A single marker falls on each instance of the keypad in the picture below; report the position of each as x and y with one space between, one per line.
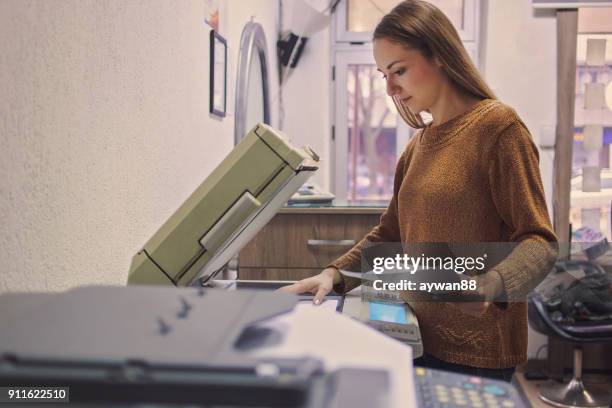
438 388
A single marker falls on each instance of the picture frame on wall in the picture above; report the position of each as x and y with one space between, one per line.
218 74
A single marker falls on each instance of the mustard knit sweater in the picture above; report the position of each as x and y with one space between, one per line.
474 178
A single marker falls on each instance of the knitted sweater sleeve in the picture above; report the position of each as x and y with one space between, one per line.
518 195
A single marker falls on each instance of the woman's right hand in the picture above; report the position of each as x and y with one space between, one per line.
319 285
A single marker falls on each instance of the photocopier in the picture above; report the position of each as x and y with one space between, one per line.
170 339
165 339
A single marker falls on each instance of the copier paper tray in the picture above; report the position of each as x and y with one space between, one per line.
163 345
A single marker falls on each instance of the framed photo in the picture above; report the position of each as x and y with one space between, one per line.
218 74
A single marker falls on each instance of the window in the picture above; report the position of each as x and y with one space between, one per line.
591 182
368 134
356 19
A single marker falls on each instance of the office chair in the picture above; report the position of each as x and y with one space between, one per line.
577 307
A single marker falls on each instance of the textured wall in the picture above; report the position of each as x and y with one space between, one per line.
521 67
104 129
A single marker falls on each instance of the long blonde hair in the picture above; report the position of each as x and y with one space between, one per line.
417 24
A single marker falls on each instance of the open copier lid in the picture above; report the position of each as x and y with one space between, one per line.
224 213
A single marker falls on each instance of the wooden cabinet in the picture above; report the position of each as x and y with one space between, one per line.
298 243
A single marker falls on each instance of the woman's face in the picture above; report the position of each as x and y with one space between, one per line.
411 77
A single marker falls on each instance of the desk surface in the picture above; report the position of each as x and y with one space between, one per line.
336 207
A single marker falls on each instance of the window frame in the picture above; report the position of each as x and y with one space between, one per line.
468 33
344 56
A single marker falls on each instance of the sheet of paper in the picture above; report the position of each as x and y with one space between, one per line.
328 304
593 137
596 51
369 276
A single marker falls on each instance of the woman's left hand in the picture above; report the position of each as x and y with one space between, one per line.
489 286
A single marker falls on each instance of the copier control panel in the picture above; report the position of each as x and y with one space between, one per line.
436 388
395 320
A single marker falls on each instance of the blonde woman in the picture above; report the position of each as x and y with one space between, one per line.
471 175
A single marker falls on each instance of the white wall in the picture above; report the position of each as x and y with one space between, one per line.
306 96
520 65
105 129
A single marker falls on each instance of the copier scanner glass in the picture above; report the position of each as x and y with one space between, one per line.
222 215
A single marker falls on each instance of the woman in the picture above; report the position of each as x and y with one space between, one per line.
470 176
